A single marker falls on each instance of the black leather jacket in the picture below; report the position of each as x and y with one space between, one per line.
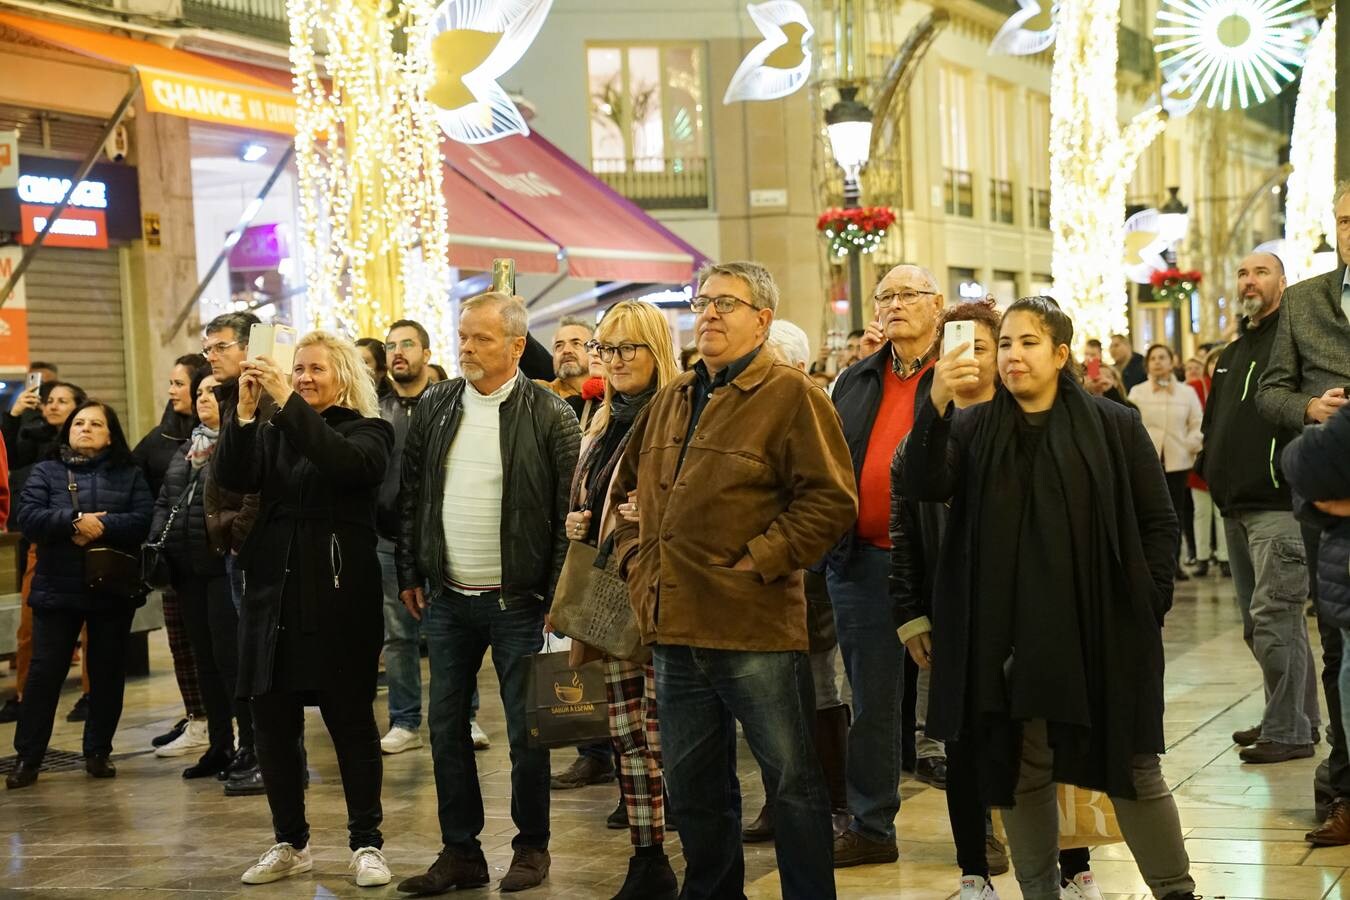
540 441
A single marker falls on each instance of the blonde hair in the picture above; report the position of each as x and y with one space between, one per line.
515 317
641 323
355 388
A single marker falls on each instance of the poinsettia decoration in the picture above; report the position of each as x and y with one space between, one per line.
1174 285
861 229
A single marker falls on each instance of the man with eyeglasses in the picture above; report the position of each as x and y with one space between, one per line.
876 398
742 479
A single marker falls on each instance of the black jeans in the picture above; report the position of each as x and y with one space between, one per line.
1332 647
213 630
56 632
1180 493
279 723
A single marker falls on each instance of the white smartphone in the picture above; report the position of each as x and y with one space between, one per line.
954 334
33 382
276 342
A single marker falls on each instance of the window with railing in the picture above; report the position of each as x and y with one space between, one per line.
958 193
260 18
647 117
1038 209
1000 201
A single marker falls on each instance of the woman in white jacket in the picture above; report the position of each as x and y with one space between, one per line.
1172 417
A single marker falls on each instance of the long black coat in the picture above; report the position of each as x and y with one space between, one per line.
940 462
156 451
312 611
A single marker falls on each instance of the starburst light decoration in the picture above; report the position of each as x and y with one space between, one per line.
1218 48
1091 162
780 64
473 43
367 149
1312 153
1016 39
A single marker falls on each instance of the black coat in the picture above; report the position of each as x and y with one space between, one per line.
312 612
161 444
28 441
940 462
1316 465
187 544
46 517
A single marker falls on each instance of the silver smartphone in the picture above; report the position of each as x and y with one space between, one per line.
33 382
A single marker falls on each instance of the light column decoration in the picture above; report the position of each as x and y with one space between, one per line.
1312 153
367 147
1091 162
849 125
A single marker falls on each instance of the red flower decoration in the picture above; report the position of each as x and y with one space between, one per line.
592 388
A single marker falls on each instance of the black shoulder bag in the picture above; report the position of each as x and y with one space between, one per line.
107 570
155 571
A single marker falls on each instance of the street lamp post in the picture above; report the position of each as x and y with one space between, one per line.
1174 217
849 126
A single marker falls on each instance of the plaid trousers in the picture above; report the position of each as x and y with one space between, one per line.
184 663
636 733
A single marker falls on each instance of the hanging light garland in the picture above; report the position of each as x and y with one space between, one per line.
1091 162
372 212
1312 152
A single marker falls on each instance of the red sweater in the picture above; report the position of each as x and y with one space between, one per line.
895 418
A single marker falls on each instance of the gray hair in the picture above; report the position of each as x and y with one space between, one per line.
925 273
515 318
763 290
789 343
576 322
238 322
1342 188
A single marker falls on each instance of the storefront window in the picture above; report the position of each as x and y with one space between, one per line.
646 107
262 272
1004 288
962 286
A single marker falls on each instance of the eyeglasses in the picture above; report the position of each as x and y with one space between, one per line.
219 347
625 350
724 304
405 344
900 298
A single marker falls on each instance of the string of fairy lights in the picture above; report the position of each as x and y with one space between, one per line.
367 145
1312 153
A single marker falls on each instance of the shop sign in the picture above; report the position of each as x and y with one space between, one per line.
9 159
87 228
13 315
971 290
105 207
260 248
207 100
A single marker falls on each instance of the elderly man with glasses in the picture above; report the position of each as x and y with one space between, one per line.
876 399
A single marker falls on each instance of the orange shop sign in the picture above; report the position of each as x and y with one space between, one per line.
77 227
226 103
13 315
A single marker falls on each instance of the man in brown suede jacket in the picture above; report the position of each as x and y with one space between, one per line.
743 478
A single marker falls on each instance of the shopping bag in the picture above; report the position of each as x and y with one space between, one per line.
1086 818
565 705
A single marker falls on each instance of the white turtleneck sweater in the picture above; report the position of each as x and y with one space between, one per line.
471 510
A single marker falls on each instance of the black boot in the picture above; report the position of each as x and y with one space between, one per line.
100 767
649 878
762 828
24 774
214 761
244 761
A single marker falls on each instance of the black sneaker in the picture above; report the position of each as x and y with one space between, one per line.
244 761
169 736
80 711
10 711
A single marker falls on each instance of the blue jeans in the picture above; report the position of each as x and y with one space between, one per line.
402 650
459 630
703 693
864 619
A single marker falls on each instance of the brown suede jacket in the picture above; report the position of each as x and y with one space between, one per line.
767 474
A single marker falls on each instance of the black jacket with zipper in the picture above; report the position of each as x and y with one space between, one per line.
540 441
1241 456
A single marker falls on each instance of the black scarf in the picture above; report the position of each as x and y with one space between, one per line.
605 452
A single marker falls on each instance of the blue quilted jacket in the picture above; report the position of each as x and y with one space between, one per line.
1317 465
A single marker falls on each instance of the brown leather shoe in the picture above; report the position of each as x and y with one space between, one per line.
852 849
452 869
529 868
1335 831
761 829
995 855
583 771
1274 752
1247 736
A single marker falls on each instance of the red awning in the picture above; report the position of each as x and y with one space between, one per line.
481 230
603 236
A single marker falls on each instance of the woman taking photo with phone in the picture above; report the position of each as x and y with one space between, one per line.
1059 514
311 620
91 496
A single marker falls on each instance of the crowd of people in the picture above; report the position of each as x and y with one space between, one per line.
923 515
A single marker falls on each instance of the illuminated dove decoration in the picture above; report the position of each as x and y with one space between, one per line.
473 43
1027 31
779 64
1144 246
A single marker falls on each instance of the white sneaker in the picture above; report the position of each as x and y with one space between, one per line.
193 739
973 887
280 861
478 735
1083 887
371 868
399 739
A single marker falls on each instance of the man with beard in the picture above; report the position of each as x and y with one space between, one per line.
1240 459
571 362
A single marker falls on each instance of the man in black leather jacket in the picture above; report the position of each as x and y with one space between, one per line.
487 471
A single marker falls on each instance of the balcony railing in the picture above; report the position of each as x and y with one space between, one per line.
958 193
260 18
1000 201
1039 208
653 182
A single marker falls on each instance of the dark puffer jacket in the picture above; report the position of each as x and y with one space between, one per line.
1315 464
46 517
158 448
188 543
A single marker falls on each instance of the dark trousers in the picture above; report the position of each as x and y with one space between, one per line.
56 633
1180 494
279 725
213 628
1332 647
459 629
